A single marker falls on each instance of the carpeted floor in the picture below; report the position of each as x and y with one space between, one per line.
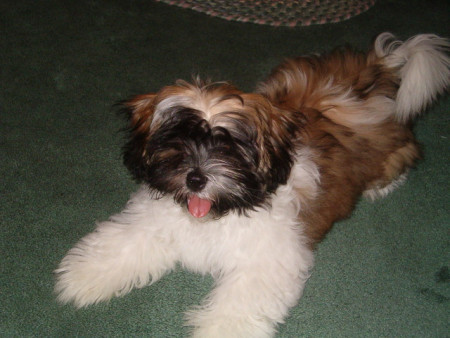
384 272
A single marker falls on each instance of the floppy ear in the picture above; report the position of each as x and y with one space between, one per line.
277 132
280 150
139 111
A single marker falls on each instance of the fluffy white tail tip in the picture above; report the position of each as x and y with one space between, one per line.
423 67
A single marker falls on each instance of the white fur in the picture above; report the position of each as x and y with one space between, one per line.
344 108
383 191
198 99
260 263
423 67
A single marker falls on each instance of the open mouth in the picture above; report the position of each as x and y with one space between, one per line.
198 207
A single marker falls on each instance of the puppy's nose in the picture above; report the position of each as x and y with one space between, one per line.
196 181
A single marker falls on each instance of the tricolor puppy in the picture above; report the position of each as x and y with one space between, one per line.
243 185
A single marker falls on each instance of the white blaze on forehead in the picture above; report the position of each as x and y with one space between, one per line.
209 104
169 103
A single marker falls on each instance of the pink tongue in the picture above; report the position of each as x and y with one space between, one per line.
198 207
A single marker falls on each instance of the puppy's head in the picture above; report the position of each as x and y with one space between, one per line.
212 147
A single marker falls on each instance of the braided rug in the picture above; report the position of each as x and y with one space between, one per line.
278 12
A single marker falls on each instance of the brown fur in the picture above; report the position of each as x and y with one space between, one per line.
352 156
339 105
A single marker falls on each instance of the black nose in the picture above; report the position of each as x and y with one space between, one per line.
196 181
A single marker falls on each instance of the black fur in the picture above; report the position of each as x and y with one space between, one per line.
236 167
184 143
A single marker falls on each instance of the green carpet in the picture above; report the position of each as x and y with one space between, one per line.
63 64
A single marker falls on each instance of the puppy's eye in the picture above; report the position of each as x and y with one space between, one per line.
223 150
221 135
167 155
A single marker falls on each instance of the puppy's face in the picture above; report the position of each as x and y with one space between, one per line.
212 147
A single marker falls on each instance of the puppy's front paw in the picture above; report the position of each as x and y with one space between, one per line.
206 326
111 261
97 269
82 281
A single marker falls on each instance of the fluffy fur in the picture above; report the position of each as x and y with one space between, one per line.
243 185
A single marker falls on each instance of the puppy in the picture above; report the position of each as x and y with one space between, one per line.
243 185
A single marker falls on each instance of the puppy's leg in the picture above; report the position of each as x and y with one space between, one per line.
130 250
256 294
396 169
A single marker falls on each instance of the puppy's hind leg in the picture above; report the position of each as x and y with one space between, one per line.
396 168
130 250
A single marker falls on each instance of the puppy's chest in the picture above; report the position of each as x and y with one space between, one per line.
221 245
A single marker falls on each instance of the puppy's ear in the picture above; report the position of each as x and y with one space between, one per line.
139 112
276 135
279 150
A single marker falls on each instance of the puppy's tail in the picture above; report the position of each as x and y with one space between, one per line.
423 67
